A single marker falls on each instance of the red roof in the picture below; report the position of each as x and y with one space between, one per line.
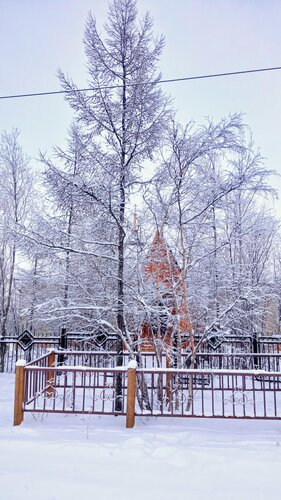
161 264
162 268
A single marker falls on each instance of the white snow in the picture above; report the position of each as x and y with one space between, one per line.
132 365
21 362
58 457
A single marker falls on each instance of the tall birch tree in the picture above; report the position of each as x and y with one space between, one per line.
15 189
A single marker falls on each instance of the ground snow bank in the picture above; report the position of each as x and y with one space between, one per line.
60 457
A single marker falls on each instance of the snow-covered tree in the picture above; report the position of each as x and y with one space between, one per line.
16 196
122 120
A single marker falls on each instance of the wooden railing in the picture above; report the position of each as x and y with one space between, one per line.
46 387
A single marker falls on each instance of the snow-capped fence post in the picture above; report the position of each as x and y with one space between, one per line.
19 392
131 394
51 373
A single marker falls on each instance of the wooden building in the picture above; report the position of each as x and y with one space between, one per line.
169 323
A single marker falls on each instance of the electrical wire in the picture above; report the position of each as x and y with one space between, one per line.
169 80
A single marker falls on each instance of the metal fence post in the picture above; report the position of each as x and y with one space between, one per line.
131 394
19 392
255 345
62 345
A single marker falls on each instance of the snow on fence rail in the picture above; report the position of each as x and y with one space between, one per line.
46 386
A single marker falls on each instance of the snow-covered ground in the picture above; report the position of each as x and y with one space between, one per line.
59 457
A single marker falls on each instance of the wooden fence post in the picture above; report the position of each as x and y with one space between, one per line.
131 394
51 374
19 392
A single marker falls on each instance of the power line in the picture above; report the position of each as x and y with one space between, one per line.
170 80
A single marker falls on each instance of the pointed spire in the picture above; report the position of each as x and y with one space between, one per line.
162 268
161 264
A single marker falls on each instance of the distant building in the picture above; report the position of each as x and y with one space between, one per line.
271 316
170 319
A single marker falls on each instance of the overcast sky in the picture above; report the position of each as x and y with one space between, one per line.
202 36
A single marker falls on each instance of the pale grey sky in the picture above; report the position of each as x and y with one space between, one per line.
202 36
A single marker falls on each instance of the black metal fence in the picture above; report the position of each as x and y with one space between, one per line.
222 352
27 346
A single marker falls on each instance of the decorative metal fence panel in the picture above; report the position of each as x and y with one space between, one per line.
27 346
11 350
241 343
209 393
75 390
161 392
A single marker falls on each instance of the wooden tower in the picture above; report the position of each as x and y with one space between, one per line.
166 286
